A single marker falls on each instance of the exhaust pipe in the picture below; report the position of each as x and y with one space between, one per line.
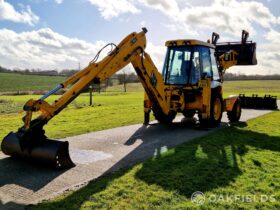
50 152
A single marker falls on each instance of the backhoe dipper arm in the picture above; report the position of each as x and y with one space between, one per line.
130 50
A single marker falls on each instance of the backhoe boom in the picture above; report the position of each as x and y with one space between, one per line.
130 50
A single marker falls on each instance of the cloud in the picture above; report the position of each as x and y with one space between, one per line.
110 9
59 1
168 7
44 49
229 16
157 53
8 12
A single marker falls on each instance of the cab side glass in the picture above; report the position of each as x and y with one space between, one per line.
196 66
206 62
216 75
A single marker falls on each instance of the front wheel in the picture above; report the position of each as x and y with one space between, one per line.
216 112
235 114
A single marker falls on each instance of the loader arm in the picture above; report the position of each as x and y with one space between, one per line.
230 54
30 140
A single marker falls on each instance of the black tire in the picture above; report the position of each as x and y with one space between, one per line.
216 112
235 114
189 113
161 117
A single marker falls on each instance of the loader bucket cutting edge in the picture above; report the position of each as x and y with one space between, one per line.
50 152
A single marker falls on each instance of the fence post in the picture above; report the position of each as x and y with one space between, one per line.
124 82
90 95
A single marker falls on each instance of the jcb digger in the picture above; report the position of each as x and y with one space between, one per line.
190 83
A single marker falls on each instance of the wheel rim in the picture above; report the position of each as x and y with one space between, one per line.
217 109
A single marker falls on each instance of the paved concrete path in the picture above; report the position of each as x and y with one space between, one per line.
94 154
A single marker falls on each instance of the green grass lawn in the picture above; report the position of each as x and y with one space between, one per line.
109 110
260 87
21 82
242 160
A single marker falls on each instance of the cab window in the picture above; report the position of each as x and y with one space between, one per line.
216 75
195 69
206 62
177 65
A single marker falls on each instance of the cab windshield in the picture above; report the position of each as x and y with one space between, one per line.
182 65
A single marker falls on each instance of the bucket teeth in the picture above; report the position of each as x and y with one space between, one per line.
50 152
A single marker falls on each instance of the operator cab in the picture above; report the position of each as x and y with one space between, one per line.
187 61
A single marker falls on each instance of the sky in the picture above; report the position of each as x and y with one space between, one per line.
63 34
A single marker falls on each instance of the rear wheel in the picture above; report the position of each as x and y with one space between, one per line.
161 117
216 112
235 114
189 113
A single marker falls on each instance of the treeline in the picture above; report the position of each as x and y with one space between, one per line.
131 77
230 77
119 78
39 72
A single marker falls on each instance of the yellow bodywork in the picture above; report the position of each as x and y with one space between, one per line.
228 59
186 42
132 50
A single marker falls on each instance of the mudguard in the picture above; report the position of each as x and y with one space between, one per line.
229 103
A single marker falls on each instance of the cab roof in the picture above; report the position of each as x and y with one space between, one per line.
188 42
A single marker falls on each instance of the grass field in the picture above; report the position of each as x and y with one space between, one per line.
109 108
236 168
241 160
108 111
20 82
260 87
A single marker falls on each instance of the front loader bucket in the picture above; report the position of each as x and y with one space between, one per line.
256 102
51 152
246 52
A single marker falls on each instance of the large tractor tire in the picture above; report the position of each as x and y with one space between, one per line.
161 117
189 113
235 114
216 112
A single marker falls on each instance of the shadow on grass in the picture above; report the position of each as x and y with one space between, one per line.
207 163
203 164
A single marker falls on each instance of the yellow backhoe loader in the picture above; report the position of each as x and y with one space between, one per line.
191 82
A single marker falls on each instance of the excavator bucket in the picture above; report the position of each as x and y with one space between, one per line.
256 102
50 152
